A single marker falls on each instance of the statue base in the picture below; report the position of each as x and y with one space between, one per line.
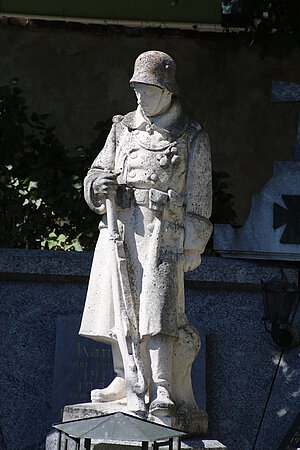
191 420
85 410
52 443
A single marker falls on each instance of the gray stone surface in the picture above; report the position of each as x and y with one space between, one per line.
297 149
233 324
292 437
52 440
243 372
195 444
280 416
83 364
80 365
38 266
285 92
52 444
221 273
84 411
43 265
208 444
222 295
29 310
260 237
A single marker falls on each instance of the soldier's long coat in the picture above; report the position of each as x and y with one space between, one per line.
165 168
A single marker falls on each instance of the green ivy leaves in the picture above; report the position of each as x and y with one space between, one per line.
41 181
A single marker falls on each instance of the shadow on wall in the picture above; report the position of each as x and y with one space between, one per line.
42 182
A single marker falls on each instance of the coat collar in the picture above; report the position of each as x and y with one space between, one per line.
173 122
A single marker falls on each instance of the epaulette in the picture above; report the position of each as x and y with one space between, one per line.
118 118
195 125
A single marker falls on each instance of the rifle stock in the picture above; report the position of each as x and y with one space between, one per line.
126 319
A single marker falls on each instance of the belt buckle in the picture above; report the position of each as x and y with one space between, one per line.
157 199
141 196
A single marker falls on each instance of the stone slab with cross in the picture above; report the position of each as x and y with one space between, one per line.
272 230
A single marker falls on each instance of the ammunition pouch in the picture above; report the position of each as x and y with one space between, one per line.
152 198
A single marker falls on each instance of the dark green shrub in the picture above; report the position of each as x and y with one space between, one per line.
41 191
41 196
223 200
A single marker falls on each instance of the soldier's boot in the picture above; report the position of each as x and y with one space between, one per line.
161 355
117 388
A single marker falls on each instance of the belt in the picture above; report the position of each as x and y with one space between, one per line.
141 197
151 198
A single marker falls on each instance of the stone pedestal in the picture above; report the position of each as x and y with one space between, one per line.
85 410
192 444
199 444
192 420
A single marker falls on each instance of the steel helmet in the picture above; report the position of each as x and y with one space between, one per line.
156 68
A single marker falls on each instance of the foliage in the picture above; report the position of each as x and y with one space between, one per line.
274 25
41 192
223 200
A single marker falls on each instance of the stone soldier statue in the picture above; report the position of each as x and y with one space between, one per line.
155 168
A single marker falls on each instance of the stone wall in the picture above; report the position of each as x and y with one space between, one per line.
252 388
81 77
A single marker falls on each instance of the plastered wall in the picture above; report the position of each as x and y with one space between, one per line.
81 77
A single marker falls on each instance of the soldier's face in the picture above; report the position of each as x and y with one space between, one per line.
152 99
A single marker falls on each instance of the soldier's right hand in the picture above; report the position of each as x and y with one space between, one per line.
105 184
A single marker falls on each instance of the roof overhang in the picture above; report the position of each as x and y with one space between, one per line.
185 14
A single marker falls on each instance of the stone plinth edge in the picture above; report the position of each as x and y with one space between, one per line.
192 420
56 266
86 410
199 444
205 444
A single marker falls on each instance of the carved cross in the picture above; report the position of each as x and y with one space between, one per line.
289 216
288 92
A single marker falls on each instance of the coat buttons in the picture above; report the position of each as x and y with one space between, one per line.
164 143
133 155
175 160
153 177
167 152
174 150
164 162
149 129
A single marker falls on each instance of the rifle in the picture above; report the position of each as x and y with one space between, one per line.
126 319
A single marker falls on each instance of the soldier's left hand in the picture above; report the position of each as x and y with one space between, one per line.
192 259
